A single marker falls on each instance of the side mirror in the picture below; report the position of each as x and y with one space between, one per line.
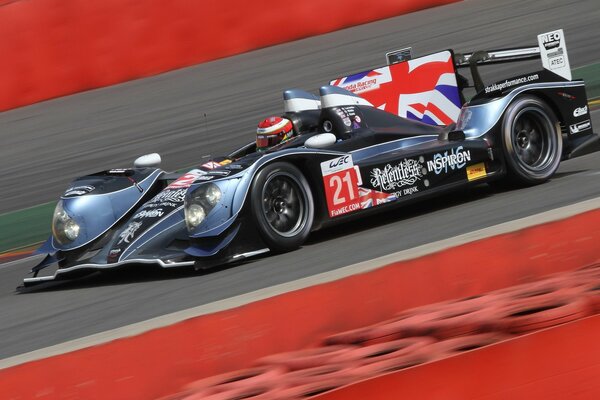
147 161
320 141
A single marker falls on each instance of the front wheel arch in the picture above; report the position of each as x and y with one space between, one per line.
282 206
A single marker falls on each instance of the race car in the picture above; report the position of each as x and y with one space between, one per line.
370 141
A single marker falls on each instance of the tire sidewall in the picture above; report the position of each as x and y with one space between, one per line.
273 239
515 169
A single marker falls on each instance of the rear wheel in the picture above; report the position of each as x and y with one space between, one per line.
531 140
282 206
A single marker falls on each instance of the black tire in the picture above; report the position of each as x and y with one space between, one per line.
282 206
531 141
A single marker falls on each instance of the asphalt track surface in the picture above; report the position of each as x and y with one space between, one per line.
213 107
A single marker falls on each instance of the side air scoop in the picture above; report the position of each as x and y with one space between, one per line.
296 100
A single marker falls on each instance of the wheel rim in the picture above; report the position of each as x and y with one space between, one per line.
533 140
284 204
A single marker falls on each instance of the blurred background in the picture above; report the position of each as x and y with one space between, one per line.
86 86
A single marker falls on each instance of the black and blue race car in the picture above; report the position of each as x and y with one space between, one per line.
368 142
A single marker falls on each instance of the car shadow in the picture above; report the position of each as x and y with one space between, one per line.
560 175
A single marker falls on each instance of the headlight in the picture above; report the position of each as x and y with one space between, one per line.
212 194
64 228
199 204
194 215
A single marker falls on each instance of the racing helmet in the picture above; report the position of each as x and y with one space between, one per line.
272 131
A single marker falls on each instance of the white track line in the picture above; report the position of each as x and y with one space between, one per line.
237 301
20 260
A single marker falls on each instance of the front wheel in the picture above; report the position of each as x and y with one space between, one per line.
282 206
531 141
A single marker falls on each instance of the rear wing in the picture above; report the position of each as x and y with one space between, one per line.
551 49
430 88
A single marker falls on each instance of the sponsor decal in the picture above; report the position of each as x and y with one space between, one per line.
391 178
464 118
350 111
457 158
129 232
347 115
235 167
365 81
499 86
225 162
372 198
580 111
79 190
211 165
344 209
580 126
163 204
344 116
553 52
173 196
158 212
113 255
410 190
557 62
119 171
344 193
476 171
551 40
363 86
224 172
341 180
205 178
566 95
114 252
186 180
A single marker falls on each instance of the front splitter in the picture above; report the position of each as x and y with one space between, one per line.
90 267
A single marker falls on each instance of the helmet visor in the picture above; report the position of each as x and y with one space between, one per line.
267 141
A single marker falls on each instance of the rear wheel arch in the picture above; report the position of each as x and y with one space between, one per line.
531 139
552 104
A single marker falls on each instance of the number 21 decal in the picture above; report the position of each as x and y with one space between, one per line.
341 179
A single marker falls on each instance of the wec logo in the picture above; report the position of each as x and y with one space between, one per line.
339 162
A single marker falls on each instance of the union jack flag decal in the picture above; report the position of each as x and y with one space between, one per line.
422 89
370 198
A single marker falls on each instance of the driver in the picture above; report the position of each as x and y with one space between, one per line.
272 131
